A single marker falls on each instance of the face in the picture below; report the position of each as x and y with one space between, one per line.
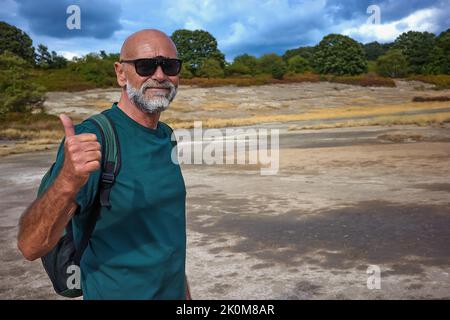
151 93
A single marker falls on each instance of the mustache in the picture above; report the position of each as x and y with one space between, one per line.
158 85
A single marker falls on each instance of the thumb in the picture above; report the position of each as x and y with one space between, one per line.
69 129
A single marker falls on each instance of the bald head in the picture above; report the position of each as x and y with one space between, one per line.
146 44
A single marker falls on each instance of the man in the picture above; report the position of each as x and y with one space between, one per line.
138 247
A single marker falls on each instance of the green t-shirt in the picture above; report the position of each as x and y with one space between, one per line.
138 247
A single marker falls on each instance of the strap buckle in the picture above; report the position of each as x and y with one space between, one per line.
107 178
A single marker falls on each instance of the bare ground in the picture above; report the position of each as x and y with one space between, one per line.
303 105
343 199
229 102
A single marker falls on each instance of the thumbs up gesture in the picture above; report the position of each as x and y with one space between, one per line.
82 155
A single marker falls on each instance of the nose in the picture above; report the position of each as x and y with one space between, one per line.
159 75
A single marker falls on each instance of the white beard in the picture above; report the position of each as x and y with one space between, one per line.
157 103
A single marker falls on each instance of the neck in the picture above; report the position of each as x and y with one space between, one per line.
149 120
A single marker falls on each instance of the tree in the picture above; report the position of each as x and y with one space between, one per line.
210 68
443 40
17 92
393 64
273 64
374 50
96 69
340 55
440 57
185 73
304 52
103 54
237 68
247 61
16 41
47 60
196 46
297 64
418 48
57 61
43 57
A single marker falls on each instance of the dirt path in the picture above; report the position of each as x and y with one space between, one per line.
344 199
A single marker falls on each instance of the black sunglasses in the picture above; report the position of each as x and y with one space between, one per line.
147 66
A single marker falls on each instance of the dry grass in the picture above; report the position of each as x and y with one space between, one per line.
25 146
441 81
39 131
419 120
218 82
428 99
218 105
401 137
33 132
319 114
364 80
16 134
101 104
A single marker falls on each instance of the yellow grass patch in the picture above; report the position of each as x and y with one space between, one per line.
101 104
11 133
317 114
217 105
24 146
419 120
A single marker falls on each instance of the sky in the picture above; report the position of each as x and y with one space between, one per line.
240 26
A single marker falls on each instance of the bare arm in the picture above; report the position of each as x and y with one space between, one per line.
43 222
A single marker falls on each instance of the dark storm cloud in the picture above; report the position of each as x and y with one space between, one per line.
240 26
99 19
390 9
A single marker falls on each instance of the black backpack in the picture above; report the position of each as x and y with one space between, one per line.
63 261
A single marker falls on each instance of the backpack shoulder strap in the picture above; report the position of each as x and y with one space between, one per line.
111 162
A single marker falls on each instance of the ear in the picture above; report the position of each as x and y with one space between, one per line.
120 74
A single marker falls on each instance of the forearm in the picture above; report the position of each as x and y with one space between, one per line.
43 223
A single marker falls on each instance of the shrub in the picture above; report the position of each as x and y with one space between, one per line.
272 64
298 64
248 61
237 68
96 69
210 68
185 73
17 92
393 64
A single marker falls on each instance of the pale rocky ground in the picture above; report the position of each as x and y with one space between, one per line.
194 103
343 199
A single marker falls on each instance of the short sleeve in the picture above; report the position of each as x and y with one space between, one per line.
86 196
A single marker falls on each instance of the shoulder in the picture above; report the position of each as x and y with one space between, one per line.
168 129
88 126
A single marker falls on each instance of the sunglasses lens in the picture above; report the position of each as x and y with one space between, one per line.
171 67
146 67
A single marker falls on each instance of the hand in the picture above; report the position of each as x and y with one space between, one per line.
82 155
